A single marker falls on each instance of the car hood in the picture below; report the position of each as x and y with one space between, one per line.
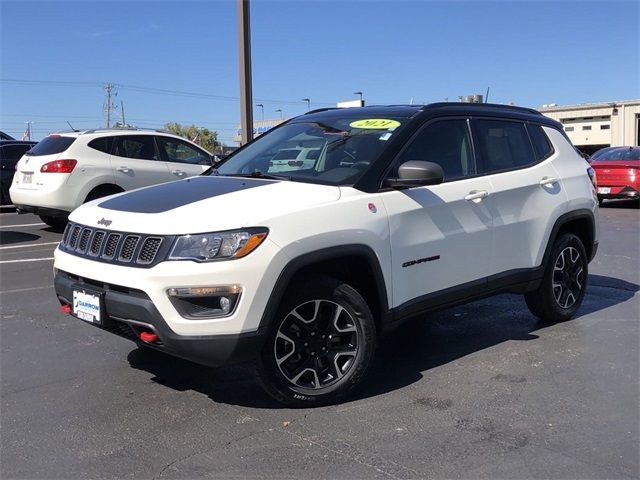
202 204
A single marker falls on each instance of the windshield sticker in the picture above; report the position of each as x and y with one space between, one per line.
376 123
385 136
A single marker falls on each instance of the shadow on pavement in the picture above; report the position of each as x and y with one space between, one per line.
11 237
402 356
621 203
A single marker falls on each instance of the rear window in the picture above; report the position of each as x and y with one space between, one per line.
620 154
541 143
52 145
103 144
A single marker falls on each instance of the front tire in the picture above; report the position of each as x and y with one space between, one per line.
564 281
320 344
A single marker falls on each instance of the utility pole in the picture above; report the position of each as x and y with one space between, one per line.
122 112
246 94
109 92
28 132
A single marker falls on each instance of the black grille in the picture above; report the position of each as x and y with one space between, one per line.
110 247
75 233
96 244
149 250
128 247
115 247
84 240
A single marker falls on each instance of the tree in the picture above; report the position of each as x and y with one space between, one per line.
204 137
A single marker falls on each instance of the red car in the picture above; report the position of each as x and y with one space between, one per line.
618 173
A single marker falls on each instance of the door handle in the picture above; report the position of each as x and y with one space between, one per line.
476 196
123 169
177 172
548 181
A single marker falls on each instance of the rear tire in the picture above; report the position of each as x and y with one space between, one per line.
320 344
564 281
57 223
102 191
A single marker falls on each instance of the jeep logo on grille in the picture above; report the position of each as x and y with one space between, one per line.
105 222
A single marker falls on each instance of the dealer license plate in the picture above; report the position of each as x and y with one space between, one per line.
27 177
604 189
86 306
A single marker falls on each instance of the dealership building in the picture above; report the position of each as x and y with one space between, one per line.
592 126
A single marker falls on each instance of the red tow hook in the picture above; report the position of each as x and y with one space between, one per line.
65 308
148 337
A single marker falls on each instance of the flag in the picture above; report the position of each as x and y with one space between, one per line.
27 134
196 139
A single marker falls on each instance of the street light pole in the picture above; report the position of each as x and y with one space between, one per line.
308 103
246 94
261 109
359 93
279 110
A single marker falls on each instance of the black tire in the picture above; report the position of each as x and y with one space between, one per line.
320 344
600 201
564 281
57 223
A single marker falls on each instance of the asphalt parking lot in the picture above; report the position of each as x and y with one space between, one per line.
479 391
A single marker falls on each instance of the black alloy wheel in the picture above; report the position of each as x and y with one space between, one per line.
320 344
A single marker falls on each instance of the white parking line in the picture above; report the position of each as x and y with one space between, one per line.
25 225
26 260
30 245
26 289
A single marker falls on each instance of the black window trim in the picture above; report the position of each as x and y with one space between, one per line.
513 120
417 132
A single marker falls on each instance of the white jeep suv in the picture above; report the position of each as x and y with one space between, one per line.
68 169
406 209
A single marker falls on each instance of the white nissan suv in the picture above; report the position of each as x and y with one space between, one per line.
68 169
405 209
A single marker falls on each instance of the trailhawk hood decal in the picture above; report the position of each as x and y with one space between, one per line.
203 204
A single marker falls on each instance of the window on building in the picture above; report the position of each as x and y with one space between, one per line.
586 127
605 127
568 129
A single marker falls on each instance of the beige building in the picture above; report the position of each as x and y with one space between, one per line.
592 126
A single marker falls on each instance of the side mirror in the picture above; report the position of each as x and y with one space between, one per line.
416 173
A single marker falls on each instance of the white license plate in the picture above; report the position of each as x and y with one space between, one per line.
27 177
86 306
604 190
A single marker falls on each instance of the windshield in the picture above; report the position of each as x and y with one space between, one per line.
331 152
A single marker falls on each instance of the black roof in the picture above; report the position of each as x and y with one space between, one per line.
16 142
408 111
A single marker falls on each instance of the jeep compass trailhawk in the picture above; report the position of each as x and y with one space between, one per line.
301 267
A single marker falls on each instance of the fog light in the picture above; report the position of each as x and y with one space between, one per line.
199 303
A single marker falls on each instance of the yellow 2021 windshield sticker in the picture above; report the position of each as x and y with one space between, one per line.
375 123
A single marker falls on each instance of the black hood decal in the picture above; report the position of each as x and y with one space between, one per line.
161 198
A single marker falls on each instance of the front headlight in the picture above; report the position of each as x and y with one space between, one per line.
206 247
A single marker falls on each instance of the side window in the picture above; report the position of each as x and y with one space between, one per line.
141 147
503 145
447 143
541 143
181 152
103 144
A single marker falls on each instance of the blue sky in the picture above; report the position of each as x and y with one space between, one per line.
56 55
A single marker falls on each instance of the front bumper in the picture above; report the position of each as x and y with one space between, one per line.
129 312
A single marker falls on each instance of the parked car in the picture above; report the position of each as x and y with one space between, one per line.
68 169
407 209
618 173
602 151
10 153
6 136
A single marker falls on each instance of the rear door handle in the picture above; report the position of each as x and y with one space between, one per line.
123 169
476 196
548 181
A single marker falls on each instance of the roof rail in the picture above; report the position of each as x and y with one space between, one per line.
320 110
126 129
480 105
